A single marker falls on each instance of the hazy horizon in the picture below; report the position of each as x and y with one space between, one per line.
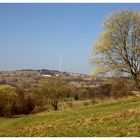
34 35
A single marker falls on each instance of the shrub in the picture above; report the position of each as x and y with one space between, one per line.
26 102
86 103
70 104
18 106
29 103
7 100
100 92
120 87
94 101
38 109
76 97
106 89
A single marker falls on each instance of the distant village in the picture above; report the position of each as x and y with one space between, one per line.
28 78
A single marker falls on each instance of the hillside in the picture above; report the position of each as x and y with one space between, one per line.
109 118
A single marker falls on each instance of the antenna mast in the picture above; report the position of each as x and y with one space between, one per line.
60 68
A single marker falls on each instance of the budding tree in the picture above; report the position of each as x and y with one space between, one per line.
117 48
54 89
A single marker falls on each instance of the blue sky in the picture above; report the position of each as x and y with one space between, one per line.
33 35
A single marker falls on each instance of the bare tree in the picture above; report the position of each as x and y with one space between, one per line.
117 48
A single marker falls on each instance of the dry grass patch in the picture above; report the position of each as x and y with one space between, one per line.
114 118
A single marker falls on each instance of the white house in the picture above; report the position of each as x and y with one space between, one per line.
46 75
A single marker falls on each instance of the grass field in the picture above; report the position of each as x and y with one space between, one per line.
110 118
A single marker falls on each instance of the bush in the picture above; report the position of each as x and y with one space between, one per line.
94 101
70 104
14 101
86 103
38 109
29 103
100 92
106 89
76 97
8 97
120 88
18 106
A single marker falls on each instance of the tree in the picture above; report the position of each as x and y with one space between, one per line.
117 49
7 99
54 89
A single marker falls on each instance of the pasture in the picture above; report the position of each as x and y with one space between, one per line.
108 118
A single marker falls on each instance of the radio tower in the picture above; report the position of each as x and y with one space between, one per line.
60 64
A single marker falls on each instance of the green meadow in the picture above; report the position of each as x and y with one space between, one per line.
107 118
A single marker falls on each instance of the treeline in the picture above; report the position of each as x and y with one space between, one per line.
14 101
50 92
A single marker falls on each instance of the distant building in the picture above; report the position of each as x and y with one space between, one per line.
46 75
57 75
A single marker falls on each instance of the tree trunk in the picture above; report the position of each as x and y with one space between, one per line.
55 105
137 81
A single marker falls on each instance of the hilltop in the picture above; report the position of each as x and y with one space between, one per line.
29 78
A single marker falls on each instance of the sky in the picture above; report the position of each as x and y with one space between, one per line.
32 36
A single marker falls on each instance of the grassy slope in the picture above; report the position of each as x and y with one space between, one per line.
110 118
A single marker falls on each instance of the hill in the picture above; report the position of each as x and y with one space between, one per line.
108 118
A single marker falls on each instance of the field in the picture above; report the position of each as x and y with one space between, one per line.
108 118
